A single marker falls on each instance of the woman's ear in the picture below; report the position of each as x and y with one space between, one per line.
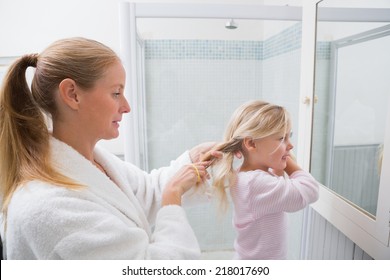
68 93
249 144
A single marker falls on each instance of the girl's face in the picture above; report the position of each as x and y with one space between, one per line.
105 104
272 151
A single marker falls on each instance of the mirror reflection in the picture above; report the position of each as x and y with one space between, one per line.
352 89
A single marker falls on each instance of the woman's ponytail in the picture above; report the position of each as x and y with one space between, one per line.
24 136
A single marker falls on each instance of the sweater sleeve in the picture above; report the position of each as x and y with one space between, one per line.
271 194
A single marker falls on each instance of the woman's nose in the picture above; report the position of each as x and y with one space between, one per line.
125 108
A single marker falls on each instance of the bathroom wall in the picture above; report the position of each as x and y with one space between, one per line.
29 26
192 88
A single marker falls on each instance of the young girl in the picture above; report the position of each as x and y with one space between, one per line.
261 132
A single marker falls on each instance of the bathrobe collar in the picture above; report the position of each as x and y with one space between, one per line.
72 164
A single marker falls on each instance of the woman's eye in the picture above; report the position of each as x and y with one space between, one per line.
117 94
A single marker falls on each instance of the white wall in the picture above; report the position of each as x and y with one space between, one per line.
29 26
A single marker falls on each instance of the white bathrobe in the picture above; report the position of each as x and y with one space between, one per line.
103 220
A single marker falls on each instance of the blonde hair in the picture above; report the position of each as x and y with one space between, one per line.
24 136
255 119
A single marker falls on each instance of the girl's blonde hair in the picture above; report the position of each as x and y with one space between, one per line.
24 135
255 119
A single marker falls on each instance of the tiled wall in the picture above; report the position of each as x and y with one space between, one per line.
214 77
284 42
281 43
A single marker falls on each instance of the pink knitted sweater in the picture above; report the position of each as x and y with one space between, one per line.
261 201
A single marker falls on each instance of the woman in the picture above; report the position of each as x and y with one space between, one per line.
66 198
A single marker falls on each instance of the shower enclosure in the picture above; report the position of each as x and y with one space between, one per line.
193 83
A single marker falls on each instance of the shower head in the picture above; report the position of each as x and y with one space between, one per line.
231 24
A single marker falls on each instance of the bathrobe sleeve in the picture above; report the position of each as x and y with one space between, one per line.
148 187
49 222
107 218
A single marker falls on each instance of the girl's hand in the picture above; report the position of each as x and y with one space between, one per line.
291 166
187 177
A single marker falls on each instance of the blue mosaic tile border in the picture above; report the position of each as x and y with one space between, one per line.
283 42
203 49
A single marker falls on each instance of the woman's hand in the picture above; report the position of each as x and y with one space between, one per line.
208 151
199 152
187 177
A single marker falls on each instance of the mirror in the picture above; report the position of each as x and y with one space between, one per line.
352 90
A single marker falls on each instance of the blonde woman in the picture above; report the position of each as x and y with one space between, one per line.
63 197
261 132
